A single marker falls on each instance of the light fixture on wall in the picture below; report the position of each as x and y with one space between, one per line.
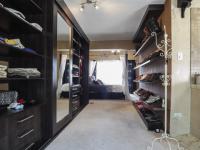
89 2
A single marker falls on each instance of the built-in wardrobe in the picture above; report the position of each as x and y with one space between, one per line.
50 41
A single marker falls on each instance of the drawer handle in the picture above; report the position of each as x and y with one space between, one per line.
28 147
27 133
25 119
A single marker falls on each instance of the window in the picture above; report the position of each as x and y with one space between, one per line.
109 72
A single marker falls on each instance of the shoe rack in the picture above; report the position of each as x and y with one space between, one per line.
149 64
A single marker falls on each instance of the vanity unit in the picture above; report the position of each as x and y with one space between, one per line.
60 51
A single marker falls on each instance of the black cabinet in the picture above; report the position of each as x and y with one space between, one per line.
24 129
20 130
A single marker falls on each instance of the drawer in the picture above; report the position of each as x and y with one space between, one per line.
32 121
29 146
3 127
76 88
75 95
25 138
25 129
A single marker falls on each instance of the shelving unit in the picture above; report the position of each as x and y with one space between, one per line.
28 6
13 24
10 51
147 60
14 27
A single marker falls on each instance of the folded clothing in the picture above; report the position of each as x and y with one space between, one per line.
16 12
36 25
14 42
75 66
24 72
3 67
3 74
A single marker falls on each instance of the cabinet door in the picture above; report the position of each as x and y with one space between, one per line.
4 134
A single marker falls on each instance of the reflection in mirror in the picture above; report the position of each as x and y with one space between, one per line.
63 61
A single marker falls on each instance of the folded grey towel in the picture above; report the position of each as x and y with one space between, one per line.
24 72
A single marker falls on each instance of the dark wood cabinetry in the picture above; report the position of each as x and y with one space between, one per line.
21 130
33 127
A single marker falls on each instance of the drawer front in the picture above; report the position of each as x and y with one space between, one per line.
74 89
25 129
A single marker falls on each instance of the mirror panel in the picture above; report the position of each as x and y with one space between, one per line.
63 68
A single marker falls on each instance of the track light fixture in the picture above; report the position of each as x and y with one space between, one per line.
89 2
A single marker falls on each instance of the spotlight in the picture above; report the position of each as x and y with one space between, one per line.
96 6
118 51
82 8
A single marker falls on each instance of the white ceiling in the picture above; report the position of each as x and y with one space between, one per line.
115 19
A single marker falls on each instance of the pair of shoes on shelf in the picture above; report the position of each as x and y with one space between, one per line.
142 94
150 77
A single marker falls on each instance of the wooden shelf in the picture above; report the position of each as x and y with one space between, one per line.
27 6
10 51
148 40
148 82
4 80
10 23
146 62
150 126
143 64
155 11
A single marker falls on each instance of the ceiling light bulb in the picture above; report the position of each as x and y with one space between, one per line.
113 51
82 8
96 6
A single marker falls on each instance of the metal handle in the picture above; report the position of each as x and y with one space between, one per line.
28 147
23 120
27 133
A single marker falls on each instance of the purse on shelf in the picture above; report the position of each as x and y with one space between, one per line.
8 97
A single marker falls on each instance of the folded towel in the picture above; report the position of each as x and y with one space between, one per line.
24 72
36 25
16 12
3 74
3 67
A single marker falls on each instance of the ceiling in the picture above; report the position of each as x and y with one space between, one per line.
115 19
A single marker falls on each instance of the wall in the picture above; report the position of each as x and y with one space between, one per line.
195 68
112 45
108 55
180 80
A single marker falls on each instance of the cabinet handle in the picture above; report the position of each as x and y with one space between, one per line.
28 147
27 133
25 119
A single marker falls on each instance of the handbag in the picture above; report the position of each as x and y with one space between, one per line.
8 97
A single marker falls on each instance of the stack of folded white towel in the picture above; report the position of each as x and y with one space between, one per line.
3 72
23 72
